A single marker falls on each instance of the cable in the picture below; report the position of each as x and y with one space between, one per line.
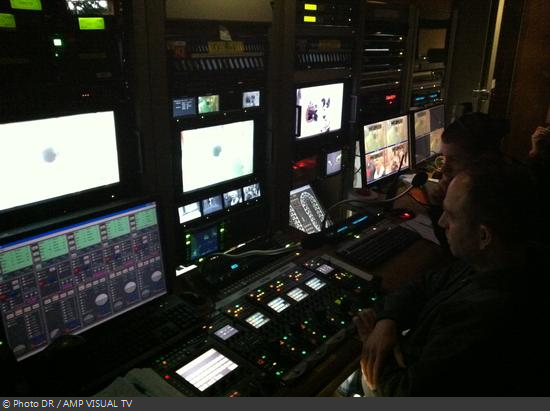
249 253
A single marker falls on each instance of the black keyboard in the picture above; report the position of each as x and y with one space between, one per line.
378 247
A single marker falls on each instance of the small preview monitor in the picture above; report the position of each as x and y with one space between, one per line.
212 205
203 242
428 128
70 278
209 104
211 155
189 212
251 99
252 191
79 7
184 106
334 162
207 369
386 147
305 211
53 157
232 198
320 109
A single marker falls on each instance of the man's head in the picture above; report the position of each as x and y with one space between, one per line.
470 137
488 212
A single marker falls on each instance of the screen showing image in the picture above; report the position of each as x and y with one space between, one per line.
334 162
321 109
53 157
257 320
211 155
385 143
297 294
212 205
251 99
75 277
189 212
278 304
428 128
206 369
209 104
204 242
226 332
305 212
184 106
252 191
232 198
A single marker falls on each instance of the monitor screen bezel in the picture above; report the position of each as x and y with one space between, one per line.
128 161
224 185
363 152
30 231
298 111
412 130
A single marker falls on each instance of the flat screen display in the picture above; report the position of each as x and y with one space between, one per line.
211 155
320 109
184 106
206 369
204 242
251 99
428 128
252 191
189 212
49 158
212 205
334 162
305 211
209 104
72 278
232 198
385 143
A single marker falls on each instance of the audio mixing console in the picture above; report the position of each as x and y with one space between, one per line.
269 338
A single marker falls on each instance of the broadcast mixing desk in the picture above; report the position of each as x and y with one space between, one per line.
288 333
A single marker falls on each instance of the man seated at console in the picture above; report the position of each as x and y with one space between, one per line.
473 328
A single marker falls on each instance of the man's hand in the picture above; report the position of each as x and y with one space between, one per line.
379 340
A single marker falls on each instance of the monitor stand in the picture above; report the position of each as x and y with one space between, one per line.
363 194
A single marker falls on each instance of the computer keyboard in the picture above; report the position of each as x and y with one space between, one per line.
378 247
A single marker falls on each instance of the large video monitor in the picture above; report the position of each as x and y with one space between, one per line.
69 278
53 157
385 145
320 109
428 127
212 155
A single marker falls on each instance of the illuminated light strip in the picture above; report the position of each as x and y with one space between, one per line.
377 49
310 19
35 5
7 21
310 6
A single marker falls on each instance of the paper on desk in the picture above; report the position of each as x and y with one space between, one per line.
423 226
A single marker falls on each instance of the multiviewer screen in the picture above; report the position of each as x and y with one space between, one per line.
385 142
211 155
70 279
320 109
428 127
53 157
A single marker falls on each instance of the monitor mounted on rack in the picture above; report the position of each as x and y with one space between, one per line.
319 109
71 275
428 127
384 149
49 158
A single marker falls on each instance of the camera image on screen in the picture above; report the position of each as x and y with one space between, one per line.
334 162
215 154
232 198
212 205
251 99
251 192
321 109
209 104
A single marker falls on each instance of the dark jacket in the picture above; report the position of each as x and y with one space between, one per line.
470 334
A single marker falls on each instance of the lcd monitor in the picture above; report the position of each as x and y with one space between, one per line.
53 157
209 104
212 155
68 278
334 162
251 99
320 109
232 198
212 205
184 106
252 191
428 128
189 212
306 212
386 148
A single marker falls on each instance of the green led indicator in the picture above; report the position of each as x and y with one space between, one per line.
35 5
57 42
91 23
222 230
7 21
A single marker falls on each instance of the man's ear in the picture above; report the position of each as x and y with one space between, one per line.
485 236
